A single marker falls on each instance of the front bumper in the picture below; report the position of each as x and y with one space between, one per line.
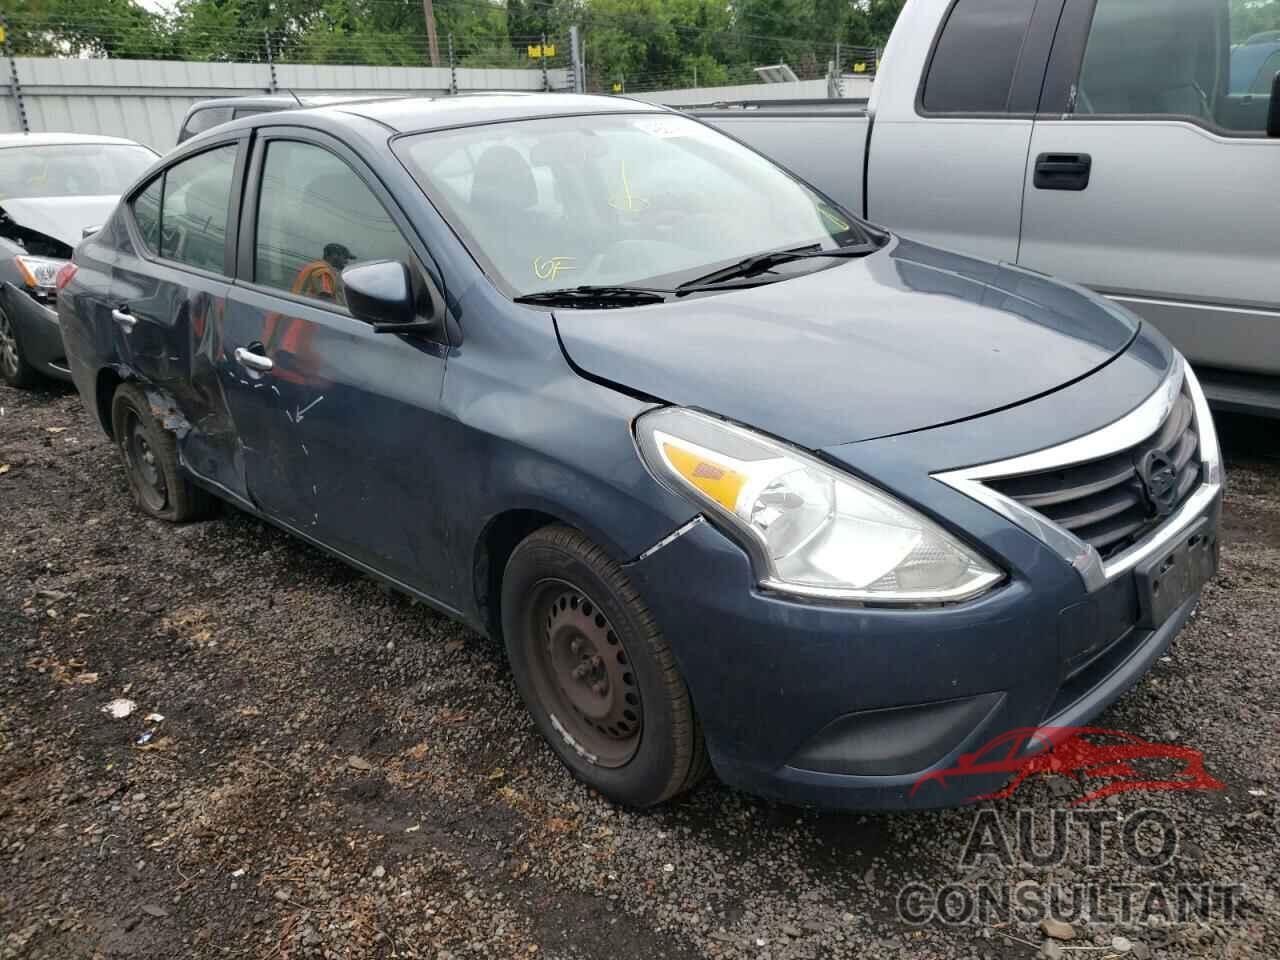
39 333
847 708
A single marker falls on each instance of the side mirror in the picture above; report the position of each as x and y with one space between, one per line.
381 293
1273 114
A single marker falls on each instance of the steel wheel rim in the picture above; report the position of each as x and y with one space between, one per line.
143 466
583 675
8 347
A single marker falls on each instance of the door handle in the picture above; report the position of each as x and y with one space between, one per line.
1063 171
253 361
122 316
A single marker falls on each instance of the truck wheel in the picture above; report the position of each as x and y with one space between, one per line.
150 457
13 366
595 671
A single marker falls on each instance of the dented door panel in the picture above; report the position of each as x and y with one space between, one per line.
176 314
342 433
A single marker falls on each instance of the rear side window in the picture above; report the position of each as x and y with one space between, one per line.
202 120
976 55
146 213
1198 60
316 216
197 200
182 214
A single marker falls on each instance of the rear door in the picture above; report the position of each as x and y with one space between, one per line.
170 284
1151 177
948 156
339 425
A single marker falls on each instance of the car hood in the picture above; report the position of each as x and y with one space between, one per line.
63 218
907 338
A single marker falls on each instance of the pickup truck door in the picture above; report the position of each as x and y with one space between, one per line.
954 106
1150 177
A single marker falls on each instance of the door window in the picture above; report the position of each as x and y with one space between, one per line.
316 216
1211 61
195 208
182 214
973 64
146 213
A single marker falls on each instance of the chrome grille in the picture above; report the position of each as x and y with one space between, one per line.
1103 502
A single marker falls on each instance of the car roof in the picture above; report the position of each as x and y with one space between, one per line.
411 114
285 101
46 139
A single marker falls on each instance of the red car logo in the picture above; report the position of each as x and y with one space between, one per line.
1077 753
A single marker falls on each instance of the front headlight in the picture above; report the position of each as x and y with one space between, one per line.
813 531
40 274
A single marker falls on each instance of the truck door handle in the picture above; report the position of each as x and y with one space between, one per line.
122 316
1063 171
253 361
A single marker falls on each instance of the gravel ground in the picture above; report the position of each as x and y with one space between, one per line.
340 772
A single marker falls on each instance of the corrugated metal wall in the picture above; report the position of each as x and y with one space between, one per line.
145 100
855 87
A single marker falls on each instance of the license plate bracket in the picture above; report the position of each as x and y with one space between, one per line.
1166 581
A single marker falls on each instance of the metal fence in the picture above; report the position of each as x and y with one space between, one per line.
145 100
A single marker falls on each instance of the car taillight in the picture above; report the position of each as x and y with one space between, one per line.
64 275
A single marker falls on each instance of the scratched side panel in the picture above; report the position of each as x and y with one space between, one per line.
527 432
342 437
178 315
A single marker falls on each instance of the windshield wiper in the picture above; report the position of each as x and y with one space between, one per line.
763 262
596 296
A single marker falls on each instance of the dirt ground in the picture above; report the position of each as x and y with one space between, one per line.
341 772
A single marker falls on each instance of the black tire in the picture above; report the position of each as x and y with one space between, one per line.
13 364
149 453
639 742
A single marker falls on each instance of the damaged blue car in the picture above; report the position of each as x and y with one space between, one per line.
742 482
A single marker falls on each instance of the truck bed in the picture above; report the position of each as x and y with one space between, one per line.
821 141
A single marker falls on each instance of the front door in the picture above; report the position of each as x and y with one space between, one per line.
339 425
1150 176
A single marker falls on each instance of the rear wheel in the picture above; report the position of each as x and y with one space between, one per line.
150 457
13 365
596 672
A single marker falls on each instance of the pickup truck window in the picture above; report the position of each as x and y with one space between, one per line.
1181 58
972 67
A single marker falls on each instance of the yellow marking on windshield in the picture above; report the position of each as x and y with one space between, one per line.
840 224
627 202
552 267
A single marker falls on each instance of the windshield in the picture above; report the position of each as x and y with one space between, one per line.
71 169
609 200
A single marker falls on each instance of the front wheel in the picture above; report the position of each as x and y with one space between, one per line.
13 365
596 672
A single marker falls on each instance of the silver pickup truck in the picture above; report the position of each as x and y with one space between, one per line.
1132 146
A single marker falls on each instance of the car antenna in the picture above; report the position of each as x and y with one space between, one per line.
296 98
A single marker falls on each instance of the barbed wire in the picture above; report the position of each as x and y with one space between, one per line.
121 37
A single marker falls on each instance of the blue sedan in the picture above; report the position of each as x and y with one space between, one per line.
742 482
